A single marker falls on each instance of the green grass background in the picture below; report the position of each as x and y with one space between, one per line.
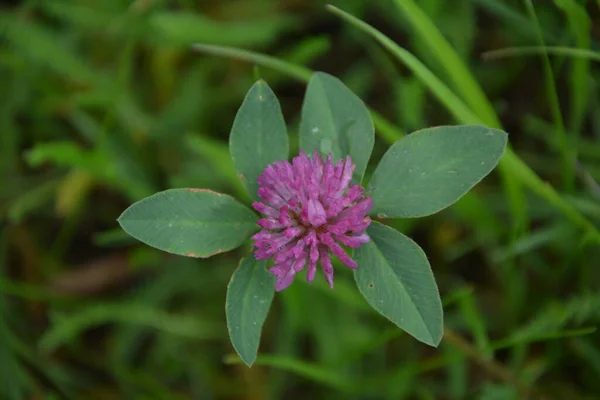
104 102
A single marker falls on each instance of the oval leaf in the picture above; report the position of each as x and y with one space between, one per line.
394 276
249 297
258 136
334 120
189 222
431 169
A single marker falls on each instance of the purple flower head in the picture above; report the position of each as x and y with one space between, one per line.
310 210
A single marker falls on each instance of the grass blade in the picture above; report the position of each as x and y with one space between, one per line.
568 161
505 13
461 77
510 342
68 329
536 50
295 71
580 25
476 323
309 371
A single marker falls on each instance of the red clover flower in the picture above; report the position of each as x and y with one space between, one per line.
310 210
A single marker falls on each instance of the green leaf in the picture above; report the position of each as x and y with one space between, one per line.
334 120
258 136
189 222
249 296
430 169
395 277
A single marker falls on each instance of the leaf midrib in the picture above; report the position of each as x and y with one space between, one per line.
399 281
245 340
189 222
329 111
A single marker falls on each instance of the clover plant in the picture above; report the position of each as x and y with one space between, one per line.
315 208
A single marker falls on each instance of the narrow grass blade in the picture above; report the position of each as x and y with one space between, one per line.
537 50
566 154
297 72
514 20
579 75
510 342
476 322
459 74
309 371
69 328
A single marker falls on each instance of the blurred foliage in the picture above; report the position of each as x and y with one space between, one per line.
105 102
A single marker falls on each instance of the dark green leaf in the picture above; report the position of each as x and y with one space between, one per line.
431 169
249 297
190 222
395 277
335 120
258 136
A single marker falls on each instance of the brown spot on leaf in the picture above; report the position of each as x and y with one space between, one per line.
371 286
196 190
218 251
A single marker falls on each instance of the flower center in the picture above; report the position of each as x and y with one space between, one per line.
306 226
